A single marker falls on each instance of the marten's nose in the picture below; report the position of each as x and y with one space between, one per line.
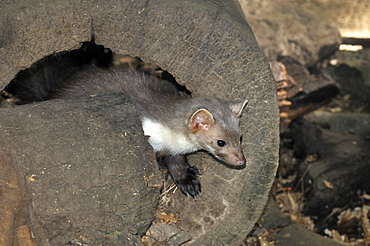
240 159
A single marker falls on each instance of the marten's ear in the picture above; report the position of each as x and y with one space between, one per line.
237 108
201 120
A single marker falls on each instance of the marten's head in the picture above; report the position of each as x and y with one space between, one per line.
217 129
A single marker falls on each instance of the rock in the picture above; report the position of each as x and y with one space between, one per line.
283 28
296 235
351 17
347 123
329 176
351 70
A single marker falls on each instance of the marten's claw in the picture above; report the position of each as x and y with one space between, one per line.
184 175
190 185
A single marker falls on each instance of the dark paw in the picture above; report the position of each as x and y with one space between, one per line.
190 185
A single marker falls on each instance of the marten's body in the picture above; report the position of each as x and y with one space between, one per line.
176 123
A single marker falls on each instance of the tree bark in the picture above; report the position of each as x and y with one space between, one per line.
85 164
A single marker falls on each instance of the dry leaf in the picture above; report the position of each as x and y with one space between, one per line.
328 184
365 223
167 218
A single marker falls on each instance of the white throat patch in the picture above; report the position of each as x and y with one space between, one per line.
162 137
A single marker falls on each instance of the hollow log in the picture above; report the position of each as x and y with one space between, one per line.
75 160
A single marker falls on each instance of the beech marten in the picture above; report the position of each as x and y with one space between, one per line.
176 123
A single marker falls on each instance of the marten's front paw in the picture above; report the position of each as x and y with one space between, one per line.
189 184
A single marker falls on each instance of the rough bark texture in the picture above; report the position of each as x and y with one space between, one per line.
299 93
207 46
84 164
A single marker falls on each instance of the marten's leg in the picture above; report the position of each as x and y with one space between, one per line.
184 175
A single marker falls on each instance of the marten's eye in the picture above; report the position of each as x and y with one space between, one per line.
221 143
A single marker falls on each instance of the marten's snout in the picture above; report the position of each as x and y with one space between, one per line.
240 160
235 159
